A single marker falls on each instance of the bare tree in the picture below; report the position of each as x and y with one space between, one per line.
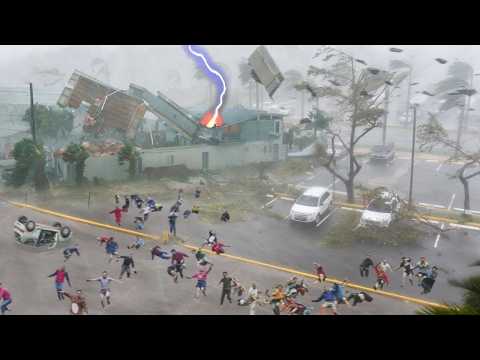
433 134
358 93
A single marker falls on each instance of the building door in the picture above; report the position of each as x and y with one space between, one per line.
276 152
205 161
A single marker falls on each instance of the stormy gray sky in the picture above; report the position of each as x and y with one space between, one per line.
155 66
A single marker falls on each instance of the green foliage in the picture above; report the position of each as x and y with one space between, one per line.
76 154
320 119
345 233
129 154
431 134
49 120
29 163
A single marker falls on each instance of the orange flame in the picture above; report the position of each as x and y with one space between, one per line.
208 121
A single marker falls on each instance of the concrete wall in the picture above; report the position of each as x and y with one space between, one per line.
219 157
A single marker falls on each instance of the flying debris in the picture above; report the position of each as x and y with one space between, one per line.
388 82
427 93
328 57
316 55
441 61
468 92
373 71
361 61
471 109
396 50
305 121
414 83
335 83
363 93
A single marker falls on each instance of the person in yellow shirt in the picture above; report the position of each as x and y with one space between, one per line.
277 298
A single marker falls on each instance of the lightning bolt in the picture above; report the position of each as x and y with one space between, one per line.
211 123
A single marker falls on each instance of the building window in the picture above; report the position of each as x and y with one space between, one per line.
170 160
276 127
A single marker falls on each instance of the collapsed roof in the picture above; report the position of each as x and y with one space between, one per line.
109 108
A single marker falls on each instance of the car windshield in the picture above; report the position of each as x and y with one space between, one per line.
306 200
379 205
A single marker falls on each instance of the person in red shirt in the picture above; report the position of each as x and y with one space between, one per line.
218 248
201 285
60 276
102 240
117 212
177 266
6 299
322 276
382 277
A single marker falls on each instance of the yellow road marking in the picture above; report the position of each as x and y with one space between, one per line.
233 257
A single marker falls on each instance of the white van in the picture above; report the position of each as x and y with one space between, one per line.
311 205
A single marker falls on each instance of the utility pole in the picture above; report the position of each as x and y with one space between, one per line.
385 116
32 111
412 162
409 88
468 104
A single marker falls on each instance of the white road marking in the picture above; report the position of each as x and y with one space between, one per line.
326 217
438 236
269 203
451 202
270 195
287 198
432 205
439 167
431 160
350 209
463 210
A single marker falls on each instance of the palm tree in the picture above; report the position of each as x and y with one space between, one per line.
460 76
471 298
245 76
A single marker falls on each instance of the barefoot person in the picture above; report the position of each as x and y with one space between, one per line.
79 303
60 276
201 285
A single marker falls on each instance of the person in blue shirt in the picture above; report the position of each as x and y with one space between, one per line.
339 292
329 301
112 249
69 251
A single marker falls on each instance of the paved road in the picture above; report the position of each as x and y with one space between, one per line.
151 291
272 240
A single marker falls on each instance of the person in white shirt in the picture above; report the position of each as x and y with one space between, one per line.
252 298
384 265
104 281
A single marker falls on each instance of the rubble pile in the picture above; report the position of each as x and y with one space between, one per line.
105 148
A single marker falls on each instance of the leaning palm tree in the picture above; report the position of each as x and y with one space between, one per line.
471 298
245 76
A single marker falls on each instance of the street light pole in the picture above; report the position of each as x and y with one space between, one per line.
412 161
32 114
409 88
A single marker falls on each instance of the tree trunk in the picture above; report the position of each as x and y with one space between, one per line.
466 189
250 94
350 191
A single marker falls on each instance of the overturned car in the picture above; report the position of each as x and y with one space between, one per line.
40 236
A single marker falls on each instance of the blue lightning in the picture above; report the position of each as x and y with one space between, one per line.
218 76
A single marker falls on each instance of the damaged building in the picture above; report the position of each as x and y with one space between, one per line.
165 133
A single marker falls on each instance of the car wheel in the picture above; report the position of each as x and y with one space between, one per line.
30 225
57 225
65 232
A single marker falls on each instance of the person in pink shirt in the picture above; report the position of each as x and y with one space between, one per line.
6 299
117 212
201 277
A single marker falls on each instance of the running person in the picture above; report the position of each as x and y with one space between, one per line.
60 276
127 265
429 280
111 248
102 240
117 212
277 298
126 206
6 299
322 276
423 266
382 277
80 303
407 273
211 240
177 264
172 222
105 293
139 242
201 285
365 266
69 251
